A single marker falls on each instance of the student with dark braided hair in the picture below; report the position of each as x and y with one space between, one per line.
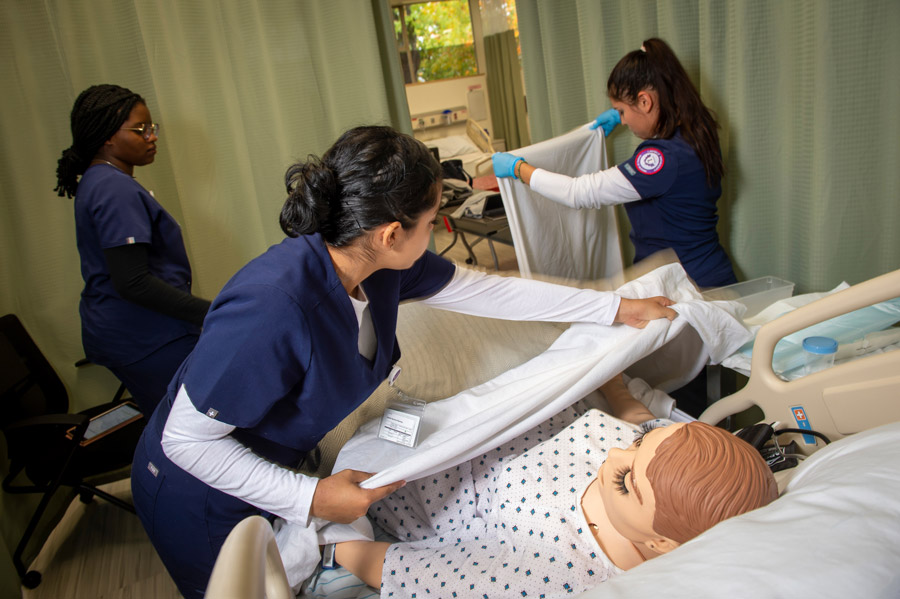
138 317
671 184
302 335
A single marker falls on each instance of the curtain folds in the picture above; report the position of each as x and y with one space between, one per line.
806 99
242 90
504 84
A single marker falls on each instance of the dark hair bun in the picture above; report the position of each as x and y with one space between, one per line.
370 176
312 191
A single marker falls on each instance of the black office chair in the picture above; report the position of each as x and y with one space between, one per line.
44 441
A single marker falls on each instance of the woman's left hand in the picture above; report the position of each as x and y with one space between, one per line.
638 312
505 164
339 498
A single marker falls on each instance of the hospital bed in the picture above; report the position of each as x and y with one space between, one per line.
474 149
835 530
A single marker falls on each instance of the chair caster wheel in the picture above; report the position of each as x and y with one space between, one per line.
469 261
86 496
31 579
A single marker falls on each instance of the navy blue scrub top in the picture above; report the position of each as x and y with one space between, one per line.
677 209
279 357
112 210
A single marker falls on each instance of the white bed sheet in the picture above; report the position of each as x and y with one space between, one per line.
552 239
582 358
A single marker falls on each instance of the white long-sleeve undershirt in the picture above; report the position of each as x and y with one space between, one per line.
603 188
511 298
205 448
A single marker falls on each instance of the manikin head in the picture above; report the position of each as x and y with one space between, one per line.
678 481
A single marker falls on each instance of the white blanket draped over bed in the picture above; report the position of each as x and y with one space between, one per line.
552 239
582 358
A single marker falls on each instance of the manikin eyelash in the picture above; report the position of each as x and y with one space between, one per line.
619 480
646 428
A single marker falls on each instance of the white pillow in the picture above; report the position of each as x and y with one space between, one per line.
834 532
453 145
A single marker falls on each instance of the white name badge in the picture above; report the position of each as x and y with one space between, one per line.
402 420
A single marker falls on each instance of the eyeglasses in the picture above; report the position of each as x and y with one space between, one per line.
146 130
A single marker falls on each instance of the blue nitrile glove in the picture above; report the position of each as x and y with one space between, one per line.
505 164
607 121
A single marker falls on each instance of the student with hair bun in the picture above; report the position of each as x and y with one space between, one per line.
671 184
302 335
138 317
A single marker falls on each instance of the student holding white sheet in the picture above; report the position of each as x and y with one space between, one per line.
671 184
302 335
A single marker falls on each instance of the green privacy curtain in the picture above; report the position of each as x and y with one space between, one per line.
242 90
807 96
504 85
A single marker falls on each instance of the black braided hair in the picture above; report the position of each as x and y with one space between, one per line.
98 113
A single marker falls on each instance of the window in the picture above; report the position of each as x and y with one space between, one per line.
435 40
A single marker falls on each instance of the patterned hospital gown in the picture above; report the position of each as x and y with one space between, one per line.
504 525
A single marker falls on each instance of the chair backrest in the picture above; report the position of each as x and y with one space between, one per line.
28 384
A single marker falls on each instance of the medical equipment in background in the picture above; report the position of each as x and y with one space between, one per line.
755 294
840 401
820 353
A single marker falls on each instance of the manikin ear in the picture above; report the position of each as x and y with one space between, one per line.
661 544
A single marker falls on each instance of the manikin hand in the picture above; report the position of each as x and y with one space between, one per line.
638 312
339 498
607 121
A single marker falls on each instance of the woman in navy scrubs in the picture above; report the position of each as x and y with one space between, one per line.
671 184
138 317
302 335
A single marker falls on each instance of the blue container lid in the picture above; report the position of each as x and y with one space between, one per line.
820 345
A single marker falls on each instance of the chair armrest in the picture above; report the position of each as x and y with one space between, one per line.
37 431
49 420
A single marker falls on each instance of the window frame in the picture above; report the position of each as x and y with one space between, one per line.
405 56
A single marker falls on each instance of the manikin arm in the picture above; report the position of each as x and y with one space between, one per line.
364 559
622 403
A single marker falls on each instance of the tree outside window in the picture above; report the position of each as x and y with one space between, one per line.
435 40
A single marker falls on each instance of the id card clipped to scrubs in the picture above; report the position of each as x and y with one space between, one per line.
402 418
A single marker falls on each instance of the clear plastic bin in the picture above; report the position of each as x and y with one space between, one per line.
756 294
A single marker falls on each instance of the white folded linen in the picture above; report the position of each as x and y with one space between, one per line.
580 360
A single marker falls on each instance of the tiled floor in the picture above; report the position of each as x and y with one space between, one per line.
100 551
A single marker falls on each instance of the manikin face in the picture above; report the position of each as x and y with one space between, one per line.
627 495
410 244
641 116
129 147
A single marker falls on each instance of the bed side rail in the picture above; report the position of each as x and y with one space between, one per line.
837 402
